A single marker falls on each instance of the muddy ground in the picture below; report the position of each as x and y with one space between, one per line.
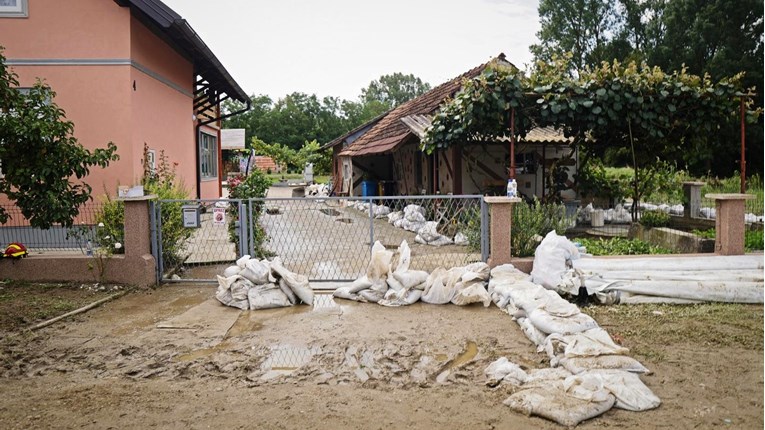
352 365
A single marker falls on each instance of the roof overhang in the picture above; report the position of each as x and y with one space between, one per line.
215 81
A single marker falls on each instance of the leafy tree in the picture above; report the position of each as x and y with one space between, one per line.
282 155
42 163
581 27
309 153
253 121
393 90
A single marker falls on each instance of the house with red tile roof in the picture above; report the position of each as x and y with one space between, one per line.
386 151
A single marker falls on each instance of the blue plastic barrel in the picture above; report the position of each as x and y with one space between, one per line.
368 188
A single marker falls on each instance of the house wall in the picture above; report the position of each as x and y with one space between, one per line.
161 104
405 167
82 50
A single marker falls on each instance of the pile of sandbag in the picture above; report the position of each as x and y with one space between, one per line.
413 219
590 373
262 284
390 284
618 215
317 190
378 211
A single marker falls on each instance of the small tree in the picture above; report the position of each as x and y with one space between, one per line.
42 163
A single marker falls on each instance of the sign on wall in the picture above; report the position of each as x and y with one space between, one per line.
232 138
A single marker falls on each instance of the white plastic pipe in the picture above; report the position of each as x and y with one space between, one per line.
716 262
684 275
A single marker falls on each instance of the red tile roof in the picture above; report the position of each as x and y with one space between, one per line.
390 131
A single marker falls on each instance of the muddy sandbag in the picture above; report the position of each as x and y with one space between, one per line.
231 271
441 240
532 333
287 291
360 284
379 262
589 343
393 283
429 232
554 403
631 393
411 278
256 272
547 323
267 296
239 285
460 239
395 216
400 298
371 295
578 365
436 291
297 283
545 377
558 307
473 293
505 371
404 257
477 270
346 293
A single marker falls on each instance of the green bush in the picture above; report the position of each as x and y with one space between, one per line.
162 182
535 220
621 246
654 219
753 240
254 185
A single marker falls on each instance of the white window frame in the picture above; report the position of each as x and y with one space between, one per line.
19 10
208 156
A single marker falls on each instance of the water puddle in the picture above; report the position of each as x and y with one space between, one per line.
244 324
285 359
325 303
330 212
469 353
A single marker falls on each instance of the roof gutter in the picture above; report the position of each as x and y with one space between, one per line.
196 138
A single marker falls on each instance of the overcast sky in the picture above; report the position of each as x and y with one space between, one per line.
336 47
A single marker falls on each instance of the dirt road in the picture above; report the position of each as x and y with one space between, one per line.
345 365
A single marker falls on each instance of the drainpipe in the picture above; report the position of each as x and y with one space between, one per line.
196 139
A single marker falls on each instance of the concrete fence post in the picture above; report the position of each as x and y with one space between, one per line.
692 194
729 222
501 212
139 267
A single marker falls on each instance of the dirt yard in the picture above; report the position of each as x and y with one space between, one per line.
145 360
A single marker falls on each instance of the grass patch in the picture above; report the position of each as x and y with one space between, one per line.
621 246
279 177
23 304
649 330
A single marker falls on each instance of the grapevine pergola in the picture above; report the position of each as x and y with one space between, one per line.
614 104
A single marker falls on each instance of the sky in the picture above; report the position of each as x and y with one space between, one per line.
337 47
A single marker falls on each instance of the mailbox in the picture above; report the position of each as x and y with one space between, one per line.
191 215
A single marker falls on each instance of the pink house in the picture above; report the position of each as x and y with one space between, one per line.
132 72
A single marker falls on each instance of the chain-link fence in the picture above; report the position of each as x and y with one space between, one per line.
325 239
80 238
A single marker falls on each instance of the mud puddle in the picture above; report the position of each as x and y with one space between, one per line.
285 359
467 355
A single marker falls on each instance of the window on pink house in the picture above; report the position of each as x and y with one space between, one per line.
208 156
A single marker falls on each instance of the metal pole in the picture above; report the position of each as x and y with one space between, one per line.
160 251
371 226
512 143
484 231
743 146
154 247
251 235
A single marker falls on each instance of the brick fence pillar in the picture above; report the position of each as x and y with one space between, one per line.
139 267
501 210
729 222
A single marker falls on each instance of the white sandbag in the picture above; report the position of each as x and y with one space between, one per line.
545 377
395 216
359 284
346 293
267 296
506 273
380 211
256 272
400 298
399 223
379 262
630 392
586 388
297 283
414 213
592 342
460 239
552 402
531 332
404 257
506 371
231 271
224 295
441 240
242 261
372 296
435 291
429 231
556 306
411 278
480 269
393 283
239 287
550 259
287 291
577 365
473 293
528 296
564 325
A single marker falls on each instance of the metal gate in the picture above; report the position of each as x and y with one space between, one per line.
324 238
